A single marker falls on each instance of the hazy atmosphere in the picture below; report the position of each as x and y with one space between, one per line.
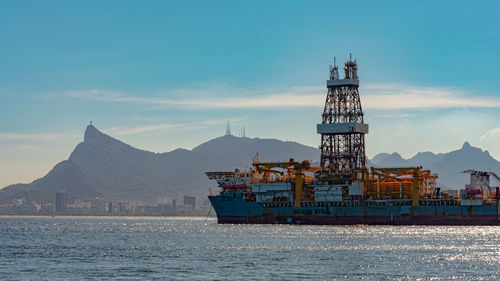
249 140
162 76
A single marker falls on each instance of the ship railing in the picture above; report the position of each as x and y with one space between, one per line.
365 203
439 202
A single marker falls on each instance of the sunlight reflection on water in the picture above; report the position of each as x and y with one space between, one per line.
196 248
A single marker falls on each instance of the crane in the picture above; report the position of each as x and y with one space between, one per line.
481 177
497 191
494 176
298 169
415 172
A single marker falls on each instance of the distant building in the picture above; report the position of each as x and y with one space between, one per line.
19 202
122 208
61 202
79 204
190 201
174 203
109 208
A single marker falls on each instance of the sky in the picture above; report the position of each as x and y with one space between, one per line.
161 75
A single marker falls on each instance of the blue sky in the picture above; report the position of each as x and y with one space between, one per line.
161 74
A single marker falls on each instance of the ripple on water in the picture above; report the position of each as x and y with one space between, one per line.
196 249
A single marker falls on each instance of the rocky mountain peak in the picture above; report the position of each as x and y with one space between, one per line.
397 155
95 137
91 133
466 145
390 160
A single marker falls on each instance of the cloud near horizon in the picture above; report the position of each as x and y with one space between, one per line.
115 131
490 133
373 96
33 137
124 131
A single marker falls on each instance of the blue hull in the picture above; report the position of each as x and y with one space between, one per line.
234 209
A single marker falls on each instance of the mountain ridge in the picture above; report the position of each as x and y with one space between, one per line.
449 166
104 168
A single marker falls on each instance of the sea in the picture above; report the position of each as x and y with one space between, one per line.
197 248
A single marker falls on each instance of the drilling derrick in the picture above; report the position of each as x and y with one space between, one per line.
342 129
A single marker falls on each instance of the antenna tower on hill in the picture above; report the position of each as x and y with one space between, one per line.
242 132
228 128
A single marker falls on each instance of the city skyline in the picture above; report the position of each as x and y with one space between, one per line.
169 75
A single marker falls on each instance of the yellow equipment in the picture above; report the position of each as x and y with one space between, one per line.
400 183
295 170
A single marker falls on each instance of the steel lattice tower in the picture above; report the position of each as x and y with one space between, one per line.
342 129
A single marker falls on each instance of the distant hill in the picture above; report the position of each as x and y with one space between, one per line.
449 166
105 168
390 160
426 158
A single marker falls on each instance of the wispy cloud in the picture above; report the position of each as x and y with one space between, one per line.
374 96
392 114
123 131
295 97
142 118
32 137
398 96
26 147
491 132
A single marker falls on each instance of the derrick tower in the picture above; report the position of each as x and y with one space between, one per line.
342 129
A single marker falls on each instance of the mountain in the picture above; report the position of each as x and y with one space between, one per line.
102 167
449 166
390 160
379 157
425 158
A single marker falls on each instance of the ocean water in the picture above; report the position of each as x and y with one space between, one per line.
104 248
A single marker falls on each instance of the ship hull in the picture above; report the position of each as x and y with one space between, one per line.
238 211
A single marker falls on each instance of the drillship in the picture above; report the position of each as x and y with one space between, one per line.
342 190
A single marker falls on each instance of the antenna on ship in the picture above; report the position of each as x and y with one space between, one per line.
334 71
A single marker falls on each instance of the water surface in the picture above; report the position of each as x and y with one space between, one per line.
131 248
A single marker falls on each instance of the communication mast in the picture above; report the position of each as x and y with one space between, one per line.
342 129
228 128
